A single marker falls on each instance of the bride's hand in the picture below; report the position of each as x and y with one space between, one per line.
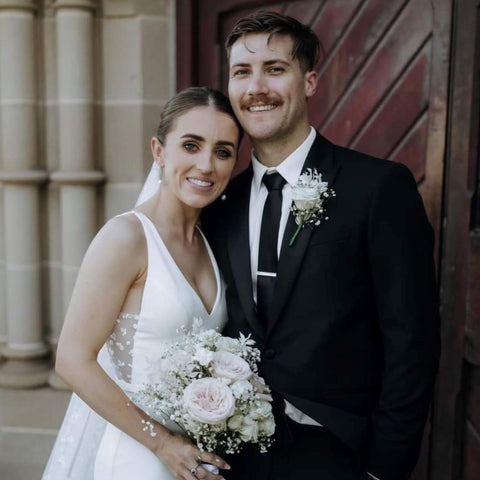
184 459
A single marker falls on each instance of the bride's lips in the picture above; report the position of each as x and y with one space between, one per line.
200 183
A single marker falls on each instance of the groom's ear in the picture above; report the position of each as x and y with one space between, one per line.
311 82
157 151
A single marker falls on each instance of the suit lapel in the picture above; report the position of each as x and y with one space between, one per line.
322 158
239 251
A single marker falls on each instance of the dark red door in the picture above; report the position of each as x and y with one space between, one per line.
383 79
376 92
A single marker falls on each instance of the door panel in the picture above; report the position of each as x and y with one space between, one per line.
383 80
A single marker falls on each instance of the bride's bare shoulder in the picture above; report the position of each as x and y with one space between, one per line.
122 233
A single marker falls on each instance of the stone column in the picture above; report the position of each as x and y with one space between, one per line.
25 352
138 77
3 309
76 177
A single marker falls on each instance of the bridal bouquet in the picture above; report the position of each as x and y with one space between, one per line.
209 385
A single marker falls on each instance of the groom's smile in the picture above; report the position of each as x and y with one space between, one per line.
261 108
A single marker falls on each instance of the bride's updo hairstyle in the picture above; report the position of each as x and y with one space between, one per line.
188 99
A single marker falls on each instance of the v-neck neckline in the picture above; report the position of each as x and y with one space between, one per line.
182 275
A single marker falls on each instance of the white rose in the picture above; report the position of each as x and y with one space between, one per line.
203 356
249 430
267 426
234 423
241 388
208 400
208 337
227 344
229 365
305 198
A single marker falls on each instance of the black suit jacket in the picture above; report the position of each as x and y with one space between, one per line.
354 341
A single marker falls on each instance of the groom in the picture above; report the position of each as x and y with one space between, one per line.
345 315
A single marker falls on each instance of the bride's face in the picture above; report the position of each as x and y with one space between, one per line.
198 155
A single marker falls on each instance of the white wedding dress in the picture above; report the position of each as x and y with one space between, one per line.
89 448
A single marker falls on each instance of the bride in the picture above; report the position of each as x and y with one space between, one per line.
146 273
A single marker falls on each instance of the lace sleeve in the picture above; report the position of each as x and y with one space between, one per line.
120 345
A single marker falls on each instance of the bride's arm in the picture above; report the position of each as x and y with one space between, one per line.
114 264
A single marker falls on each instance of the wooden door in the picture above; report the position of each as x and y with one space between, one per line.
383 80
455 452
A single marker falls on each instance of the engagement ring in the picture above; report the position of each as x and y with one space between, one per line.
193 470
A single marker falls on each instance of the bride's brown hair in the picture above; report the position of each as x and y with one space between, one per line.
188 99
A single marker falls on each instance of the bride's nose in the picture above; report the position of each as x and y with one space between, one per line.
205 162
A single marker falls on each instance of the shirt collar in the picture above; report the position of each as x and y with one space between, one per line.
290 168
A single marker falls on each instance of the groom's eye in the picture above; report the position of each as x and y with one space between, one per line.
239 73
276 70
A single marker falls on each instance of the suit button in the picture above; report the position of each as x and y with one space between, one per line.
269 353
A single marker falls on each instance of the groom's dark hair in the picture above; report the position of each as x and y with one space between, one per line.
306 45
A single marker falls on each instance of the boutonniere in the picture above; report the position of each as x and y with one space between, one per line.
309 196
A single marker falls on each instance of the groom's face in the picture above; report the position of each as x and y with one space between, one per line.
268 88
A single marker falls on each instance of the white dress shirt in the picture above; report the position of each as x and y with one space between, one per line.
290 169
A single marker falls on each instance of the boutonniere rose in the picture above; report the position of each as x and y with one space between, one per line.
309 195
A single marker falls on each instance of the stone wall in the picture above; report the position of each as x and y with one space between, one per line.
82 83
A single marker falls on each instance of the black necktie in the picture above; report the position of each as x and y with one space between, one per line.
267 252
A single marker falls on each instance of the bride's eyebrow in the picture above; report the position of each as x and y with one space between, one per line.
194 136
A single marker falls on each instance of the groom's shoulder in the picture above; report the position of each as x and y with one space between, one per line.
363 165
355 159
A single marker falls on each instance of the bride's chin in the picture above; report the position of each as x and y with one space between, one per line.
199 203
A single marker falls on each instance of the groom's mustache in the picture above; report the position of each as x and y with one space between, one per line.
261 100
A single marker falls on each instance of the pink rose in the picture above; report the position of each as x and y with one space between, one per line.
231 366
209 400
